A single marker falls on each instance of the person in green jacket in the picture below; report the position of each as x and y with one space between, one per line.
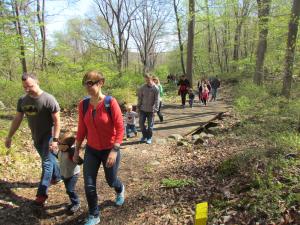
161 93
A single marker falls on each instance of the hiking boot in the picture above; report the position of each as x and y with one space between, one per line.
120 197
73 208
92 220
40 200
149 141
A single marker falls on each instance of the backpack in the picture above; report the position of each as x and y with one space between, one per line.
107 101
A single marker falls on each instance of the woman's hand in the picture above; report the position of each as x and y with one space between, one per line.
111 159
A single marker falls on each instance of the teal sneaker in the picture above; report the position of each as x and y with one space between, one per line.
149 141
92 220
120 197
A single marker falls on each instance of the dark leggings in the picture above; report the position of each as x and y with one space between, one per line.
183 97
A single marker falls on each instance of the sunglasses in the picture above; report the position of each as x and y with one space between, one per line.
90 83
61 143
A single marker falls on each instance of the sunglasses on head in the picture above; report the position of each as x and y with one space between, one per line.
90 83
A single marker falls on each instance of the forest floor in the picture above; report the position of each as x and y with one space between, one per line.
164 181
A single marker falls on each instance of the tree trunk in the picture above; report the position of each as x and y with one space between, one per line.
179 38
190 45
290 49
20 34
263 16
218 50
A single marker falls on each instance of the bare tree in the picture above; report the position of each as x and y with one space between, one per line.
263 16
147 27
241 14
190 45
290 49
117 15
41 20
17 22
178 25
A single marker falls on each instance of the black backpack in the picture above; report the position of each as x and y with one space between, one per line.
107 101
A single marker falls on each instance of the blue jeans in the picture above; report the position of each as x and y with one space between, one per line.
92 161
147 132
50 168
130 128
70 184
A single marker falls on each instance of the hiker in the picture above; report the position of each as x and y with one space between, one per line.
43 116
101 123
205 93
161 93
215 84
200 88
191 97
148 104
183 84
130 121
69 170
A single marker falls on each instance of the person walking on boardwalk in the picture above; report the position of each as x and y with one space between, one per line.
161 93
148 105
101 123
215 84
43 116
184 85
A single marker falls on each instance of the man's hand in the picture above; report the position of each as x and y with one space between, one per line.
111 159
7 142
54 147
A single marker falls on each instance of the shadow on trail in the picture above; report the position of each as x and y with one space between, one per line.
21 210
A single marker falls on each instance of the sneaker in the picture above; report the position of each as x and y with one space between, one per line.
55 181
74 208
40 200
149 141
120 197
92 220
143 139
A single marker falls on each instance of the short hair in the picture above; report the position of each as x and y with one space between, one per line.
156 78
31 75
67 137
93 75
148 76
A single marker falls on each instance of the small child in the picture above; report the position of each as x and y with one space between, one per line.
130 121
205 93
69 170
191 97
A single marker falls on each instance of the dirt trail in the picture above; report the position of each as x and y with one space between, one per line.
142 168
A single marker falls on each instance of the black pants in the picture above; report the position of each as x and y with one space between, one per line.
160 115
183 97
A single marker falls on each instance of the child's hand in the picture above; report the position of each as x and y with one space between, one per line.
76 156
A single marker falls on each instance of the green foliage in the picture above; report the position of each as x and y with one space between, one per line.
176 183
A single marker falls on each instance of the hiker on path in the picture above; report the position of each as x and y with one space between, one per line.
161 93
215 84
69 170
42 112
130 121
200 86
148 104
101 123
183 84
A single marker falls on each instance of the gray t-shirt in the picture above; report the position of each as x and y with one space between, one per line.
130 117
39 114
67 167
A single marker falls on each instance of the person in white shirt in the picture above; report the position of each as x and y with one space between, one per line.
130 121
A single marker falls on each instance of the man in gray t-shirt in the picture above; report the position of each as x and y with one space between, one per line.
42 112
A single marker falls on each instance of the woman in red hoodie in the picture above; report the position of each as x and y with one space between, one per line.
101 123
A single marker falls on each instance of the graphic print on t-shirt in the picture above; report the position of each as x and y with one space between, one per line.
30 110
